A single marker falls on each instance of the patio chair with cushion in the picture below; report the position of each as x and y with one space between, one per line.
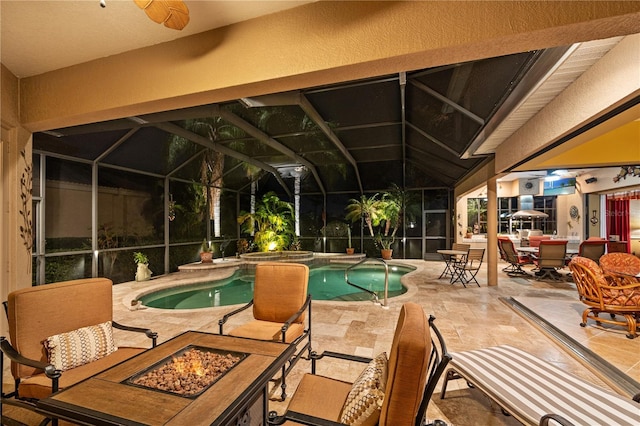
515 260
552 255
535 240
393 392
281 304
593 249
606 293
59 335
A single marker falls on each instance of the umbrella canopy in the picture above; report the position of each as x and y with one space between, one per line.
529 214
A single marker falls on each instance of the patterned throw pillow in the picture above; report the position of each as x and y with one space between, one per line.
81 346
363 404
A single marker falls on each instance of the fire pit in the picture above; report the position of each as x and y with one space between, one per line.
188 372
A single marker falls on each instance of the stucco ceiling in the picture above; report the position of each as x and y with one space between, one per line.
83 30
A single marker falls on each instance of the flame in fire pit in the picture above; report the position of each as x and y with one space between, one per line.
194 366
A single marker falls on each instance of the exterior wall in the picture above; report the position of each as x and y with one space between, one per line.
15 253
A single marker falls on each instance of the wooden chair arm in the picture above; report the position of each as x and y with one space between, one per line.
300 418
621 280
224 319
150 334
544 421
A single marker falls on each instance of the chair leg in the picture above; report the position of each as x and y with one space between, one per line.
473 277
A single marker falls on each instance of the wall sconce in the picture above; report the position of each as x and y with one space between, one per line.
594 219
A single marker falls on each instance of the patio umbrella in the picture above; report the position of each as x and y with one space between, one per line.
527 214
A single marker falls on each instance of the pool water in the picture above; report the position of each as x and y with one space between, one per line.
326 282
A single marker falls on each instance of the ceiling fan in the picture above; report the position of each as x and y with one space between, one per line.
173 14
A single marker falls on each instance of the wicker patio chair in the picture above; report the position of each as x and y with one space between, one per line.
624 264
616 295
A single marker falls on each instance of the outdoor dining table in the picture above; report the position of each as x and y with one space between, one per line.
448 255
535 250
546 271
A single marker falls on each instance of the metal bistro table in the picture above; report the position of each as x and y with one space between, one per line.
448 256
240 396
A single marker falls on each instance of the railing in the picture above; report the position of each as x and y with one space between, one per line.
373 293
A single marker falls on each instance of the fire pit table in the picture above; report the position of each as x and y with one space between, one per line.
149 389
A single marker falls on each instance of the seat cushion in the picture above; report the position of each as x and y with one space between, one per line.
39 386
265 330
329 406
81 346
363 404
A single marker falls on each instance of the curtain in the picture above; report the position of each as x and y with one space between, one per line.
618 219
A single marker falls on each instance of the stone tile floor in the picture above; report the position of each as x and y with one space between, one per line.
468 318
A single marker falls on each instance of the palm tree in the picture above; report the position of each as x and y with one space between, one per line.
369 208
397 203
274 220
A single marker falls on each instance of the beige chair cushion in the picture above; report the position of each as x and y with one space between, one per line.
39 386
264 330
333 396
280 291
81 346
363 404
408 362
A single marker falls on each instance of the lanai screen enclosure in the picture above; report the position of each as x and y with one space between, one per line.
161 183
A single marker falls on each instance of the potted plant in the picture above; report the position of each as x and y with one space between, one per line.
350 249
206 252
385 242
143 273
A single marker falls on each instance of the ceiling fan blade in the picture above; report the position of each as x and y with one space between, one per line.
173 14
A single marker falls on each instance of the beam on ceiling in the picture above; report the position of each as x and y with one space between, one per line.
268 140
297 98
116 144
433 139
447 101
315 116
448 165
206 142
403 114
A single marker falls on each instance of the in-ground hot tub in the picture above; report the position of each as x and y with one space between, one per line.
278 256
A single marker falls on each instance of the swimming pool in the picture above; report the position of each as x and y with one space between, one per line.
326 282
